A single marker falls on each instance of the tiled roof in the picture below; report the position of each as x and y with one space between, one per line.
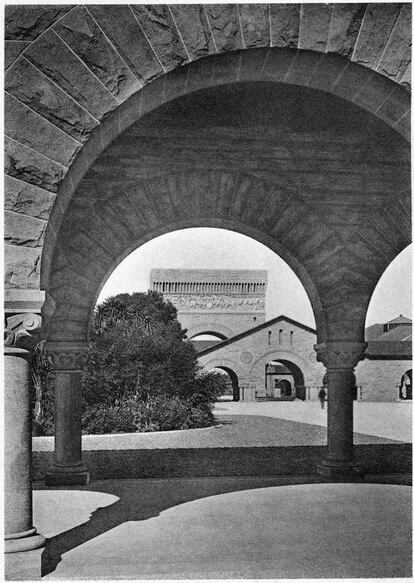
373 331
400 320
401 333
389 349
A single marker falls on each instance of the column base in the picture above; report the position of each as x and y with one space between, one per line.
76 475
25 566
23 541
342 471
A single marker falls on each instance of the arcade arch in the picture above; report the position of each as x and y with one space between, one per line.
319 191
298 367
212 329
233 379
406 386
284 379
179 183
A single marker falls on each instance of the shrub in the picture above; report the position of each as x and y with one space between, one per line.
159 413
42 393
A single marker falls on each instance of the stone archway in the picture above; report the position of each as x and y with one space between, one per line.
69 108
214 328
229 367
299 368
225 363
406 386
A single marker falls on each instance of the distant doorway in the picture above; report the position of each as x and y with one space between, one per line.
284 381
406 383
232 392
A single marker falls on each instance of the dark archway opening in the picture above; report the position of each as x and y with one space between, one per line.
206 340
232 392
406 384
284 381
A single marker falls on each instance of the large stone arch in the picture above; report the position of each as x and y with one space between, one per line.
61 82
218 362
257 369
80 78
224 332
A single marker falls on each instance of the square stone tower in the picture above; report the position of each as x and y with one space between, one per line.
216 301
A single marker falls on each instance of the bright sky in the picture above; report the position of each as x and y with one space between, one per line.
205 248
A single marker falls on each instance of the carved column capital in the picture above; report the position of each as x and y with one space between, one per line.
67 356
336 355
21 329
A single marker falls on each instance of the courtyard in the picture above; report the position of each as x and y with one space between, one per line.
229 526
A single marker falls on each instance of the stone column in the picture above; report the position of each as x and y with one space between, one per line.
20 534
340 359
68 360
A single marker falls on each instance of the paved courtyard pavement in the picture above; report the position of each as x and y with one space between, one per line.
389 420
220 528
262 424
233 527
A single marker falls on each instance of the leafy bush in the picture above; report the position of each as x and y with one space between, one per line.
130 415
141 374
42 393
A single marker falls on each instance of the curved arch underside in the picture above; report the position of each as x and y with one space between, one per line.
106 125
310 175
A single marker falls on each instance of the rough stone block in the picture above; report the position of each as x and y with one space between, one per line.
193 27
158 25
224 22
31 167
314 27
255 23
80 31
54 59
24 198
35 90
24 126
12 49
405 79
378 22
21 267
23 230
284 25
344 28
397 54
26 23
122 28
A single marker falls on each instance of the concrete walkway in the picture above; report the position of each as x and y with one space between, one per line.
261 425
236 528
388 420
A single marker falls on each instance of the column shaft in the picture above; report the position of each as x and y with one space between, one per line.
340 358
340 417
20 535
68 467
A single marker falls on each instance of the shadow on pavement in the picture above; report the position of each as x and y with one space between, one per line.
143 499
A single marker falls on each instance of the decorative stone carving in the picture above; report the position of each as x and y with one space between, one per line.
20 328
340 355
190 302
246 357
67 356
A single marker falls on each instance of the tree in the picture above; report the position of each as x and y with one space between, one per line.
141 371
